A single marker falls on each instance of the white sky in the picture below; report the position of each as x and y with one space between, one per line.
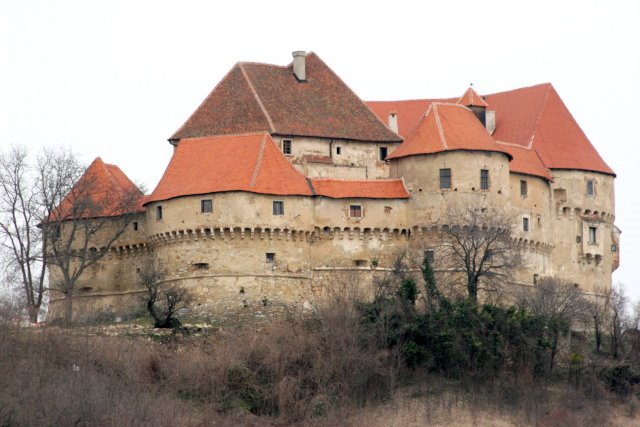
116 78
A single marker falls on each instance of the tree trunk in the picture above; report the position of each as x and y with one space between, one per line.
598 333
68 307
472 288
32 312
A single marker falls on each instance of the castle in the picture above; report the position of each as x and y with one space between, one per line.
283 180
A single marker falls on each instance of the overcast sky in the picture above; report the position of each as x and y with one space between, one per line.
116 78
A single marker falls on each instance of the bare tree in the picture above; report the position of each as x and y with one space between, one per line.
618 304
561 303
599 312
22 241
85 216
477 248
162 300
55 213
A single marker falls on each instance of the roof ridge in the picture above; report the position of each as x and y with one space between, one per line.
513 144
439 126
204 100
535 126
356 95
255 94
424 114
256 170
261 63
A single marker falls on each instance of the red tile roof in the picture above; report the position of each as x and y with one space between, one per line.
250 162
525 160
260 97
533 117
447 127
370 189
471 99
102 191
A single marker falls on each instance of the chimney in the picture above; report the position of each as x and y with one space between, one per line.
393 121
490 121
299 65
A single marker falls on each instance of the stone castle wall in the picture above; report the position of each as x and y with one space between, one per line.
221 257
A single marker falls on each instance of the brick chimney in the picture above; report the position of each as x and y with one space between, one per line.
299 65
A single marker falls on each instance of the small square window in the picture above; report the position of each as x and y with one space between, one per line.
286 146
525 224
206 206
355 211
524 191
384 151
484 179
430 256
338 150
445 179
278 208
590 188
592 235
158 212
271 257
135 225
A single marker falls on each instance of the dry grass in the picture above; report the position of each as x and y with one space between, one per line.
317 371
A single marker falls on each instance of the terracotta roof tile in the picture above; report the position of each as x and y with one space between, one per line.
261 97
370 189
447 127
102 191
526 160
471 99
250 162
532 117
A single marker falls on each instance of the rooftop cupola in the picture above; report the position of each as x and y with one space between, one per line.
478 106
299 65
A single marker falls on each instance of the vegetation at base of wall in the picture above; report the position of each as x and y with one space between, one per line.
319 368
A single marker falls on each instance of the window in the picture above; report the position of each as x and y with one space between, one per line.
590 188
286 146
523 188
206 206
355 211
525 224
360 262
592 235
484 179
445 179
270 257
614 248
338 150
384 151
158 212
429 255
278 208
135 225
201 265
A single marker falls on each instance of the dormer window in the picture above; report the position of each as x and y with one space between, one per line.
286 146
